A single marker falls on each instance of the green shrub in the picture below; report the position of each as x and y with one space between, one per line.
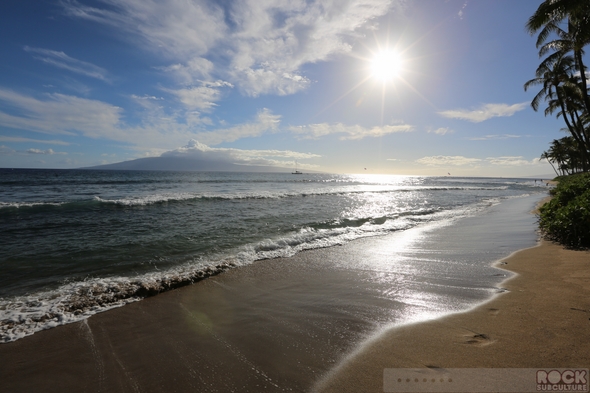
566 217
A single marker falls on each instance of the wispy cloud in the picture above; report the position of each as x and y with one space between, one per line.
8 151
43 152
448 160
158 130
260 46
197 150
146 97
461 12
27 140
264 122
201 97
512 161
485 112
180 28
441 131
347 132
61 60
494 137
467 161
195 68
60 114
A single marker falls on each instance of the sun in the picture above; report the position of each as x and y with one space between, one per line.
386 65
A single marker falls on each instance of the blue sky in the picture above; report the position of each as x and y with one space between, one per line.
273 82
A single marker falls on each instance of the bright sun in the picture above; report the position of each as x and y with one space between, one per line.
386 65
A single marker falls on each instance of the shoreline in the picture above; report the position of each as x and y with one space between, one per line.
542 321
272 326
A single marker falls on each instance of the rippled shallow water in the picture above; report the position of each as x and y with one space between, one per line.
73 242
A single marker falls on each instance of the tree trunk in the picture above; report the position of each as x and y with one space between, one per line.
573 130
581 68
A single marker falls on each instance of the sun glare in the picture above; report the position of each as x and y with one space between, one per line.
385 65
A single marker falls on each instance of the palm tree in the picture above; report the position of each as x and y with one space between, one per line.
551 73
561 92
547 155
563 75
565 153
549 17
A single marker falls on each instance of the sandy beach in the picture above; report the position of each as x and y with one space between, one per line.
543 321
310 322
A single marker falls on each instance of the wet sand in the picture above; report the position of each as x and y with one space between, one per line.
286 324
542 322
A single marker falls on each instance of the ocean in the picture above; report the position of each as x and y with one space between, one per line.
77 242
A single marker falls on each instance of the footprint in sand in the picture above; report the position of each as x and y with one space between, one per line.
479 340
493 311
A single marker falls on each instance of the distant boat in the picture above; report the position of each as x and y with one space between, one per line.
296 171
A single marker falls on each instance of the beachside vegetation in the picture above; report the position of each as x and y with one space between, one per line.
563 28
566 217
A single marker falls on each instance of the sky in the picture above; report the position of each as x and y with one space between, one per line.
423 87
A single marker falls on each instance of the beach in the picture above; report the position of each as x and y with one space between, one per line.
326 319
543 321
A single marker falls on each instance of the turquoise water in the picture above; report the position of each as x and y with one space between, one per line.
75 242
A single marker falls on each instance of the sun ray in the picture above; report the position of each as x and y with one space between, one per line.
362 82
387 66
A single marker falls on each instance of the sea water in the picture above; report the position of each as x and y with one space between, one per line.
77 242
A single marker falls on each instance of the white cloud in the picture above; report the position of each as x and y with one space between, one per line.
461 12
217 83
485 112
8 151
201 97
254 82
69 115
494 137
512 161
19 139
61 114
448 160
195 68
61 60
466 161
265 121
44 152
177 27
146 97
260 46
273 39
441 131
354 132
197 150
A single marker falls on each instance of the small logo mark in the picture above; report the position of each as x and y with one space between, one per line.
562 381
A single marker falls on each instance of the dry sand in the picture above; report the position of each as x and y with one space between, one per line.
542 321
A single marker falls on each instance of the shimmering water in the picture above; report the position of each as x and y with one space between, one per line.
76 242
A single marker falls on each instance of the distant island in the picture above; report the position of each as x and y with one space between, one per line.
196 156
185 164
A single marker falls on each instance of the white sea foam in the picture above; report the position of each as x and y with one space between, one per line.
17 205
179 197
150 199
72 302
